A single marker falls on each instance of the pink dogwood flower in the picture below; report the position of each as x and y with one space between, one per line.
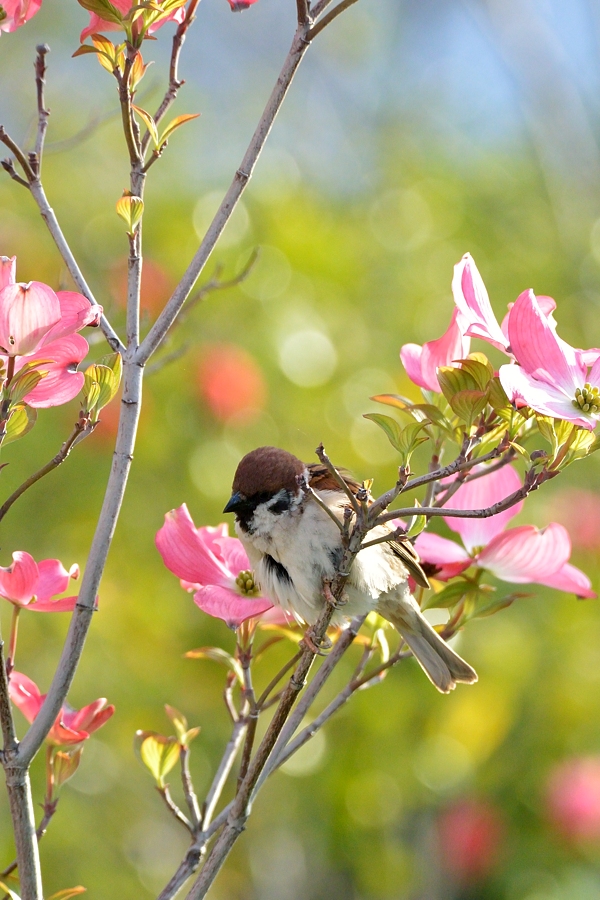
212 565
520 555
422 362
72 726
38 325
98 24
32 585
17 12
551 377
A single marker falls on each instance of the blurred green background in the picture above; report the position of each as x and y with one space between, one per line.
415 131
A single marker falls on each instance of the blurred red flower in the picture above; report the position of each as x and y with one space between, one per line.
231 382
573 798
470 834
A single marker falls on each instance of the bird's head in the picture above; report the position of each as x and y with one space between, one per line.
266 478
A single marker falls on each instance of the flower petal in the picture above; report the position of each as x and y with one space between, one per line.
479 494
422 363
526 554
538 349
62 381
410 357
8 270
572 580
185 552
19 581
75 313
471 298
27 313
25 694
447 557
53 578
64 604
231 551
229 605
524 390
89 718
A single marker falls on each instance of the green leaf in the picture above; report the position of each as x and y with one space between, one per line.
85 48
21 421
497 397
185 735
64 765
104 9
176 123
388 425
220 656
24 382
131 210
449 596
468 404
487 607
150 125
101 383
158 753
481 372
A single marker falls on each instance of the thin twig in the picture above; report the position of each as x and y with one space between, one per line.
157 333
9 735
185 870
336 475
531 484
328 19
175 83
82 429
43 113
214 284
277 678
174 809
17 153
188 788
222 773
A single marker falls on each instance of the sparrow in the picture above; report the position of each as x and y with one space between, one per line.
294 548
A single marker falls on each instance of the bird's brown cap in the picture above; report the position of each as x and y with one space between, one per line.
267 470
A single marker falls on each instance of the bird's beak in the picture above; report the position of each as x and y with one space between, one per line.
236 501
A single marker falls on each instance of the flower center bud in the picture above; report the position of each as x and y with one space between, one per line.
247 585
587 398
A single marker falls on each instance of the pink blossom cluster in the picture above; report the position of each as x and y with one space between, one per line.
520 555
38 329
545 373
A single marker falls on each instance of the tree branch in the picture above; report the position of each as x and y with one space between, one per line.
157 333
175 83
82 428
43 113
328 19
174 809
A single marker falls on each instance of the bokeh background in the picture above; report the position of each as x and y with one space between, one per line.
416 130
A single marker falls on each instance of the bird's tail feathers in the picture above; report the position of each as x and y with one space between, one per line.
442 665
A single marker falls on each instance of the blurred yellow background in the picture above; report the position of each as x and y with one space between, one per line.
415 131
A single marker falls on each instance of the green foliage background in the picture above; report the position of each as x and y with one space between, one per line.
370 269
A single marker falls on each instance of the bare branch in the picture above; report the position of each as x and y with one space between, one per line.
214 284
82 429
174 809
175 83
320 451
241 178
532 482
328 19
222 773
17 153
185 870
188 787
43 113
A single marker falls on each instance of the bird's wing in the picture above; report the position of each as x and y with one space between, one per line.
409 556
321 479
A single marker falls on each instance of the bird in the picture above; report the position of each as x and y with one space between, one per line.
295 547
